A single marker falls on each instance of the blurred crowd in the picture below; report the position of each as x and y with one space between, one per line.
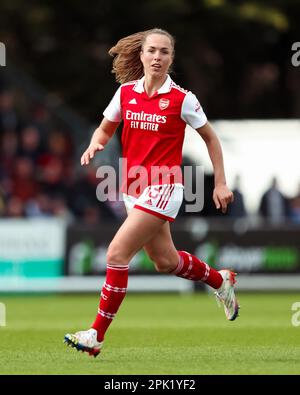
40 176
274 206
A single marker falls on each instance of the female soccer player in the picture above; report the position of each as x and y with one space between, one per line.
154 111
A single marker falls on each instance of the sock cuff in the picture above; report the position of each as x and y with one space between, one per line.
180 263
117 267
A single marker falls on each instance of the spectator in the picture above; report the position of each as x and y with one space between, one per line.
82 195
91 214
274 205
294 208
30 143
39 206
41 118
24 184
8 152
60 209
14 208
237 208
8 115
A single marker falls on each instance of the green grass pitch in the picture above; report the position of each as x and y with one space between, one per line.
152 334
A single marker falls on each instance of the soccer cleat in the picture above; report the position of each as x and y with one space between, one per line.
85 341
225 295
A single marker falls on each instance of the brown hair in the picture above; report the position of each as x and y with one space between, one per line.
127 65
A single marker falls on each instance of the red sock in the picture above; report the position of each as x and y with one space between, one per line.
112 295
191 268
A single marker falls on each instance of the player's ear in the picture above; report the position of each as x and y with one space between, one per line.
141 55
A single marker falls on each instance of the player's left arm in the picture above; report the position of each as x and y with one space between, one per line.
222 196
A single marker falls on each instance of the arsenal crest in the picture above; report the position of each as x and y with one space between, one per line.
163 103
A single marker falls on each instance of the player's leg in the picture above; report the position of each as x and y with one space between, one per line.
136 231
167 259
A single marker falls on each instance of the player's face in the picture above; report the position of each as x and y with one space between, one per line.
157 55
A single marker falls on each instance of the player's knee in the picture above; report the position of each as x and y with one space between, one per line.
162 268
116 256
163 264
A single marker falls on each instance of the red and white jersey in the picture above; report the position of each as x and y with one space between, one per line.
153 130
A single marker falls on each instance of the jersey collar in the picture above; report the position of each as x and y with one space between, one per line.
165 88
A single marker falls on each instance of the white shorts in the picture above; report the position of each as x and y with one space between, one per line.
163 201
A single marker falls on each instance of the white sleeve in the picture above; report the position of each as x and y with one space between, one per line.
191 111
113 111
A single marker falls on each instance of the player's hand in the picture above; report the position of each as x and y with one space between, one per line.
222 196
89 153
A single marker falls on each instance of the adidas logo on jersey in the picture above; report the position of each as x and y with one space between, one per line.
149 202
133 101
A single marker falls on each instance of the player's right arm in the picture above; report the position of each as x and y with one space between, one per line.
100 138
